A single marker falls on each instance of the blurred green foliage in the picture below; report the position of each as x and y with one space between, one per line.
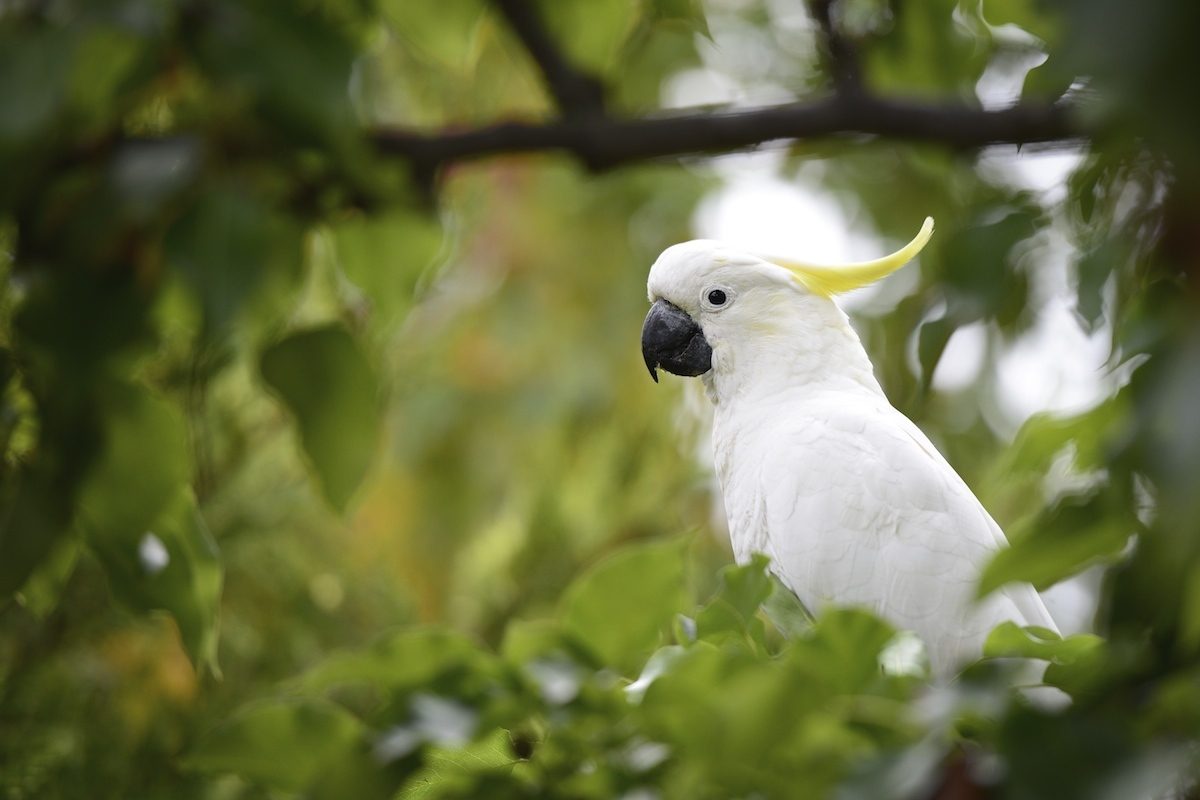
309 489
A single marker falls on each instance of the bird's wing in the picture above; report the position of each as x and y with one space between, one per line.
860 509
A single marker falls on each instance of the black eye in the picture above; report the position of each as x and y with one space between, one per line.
716 297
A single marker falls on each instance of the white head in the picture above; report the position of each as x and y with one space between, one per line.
742 320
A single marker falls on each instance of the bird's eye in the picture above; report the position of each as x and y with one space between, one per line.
717 297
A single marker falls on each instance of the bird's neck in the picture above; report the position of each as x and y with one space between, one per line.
805 346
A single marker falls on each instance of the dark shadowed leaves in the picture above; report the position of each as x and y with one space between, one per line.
980 269
239 257
138 516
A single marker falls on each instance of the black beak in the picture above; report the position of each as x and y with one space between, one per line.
672 340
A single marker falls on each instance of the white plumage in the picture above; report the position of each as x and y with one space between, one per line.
848 498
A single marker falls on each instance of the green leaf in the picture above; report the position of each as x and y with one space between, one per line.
528 640
1046 83
41 592
1091 434
1009 640
445 33
591 31
448 771
785 611
621 606
33 521
689 12
1092 271
931 343
240 258
843 648
979 269
405 661
1079 664
138 516
327 383
282 744
289 61
173 565
385 255
1076 533
734 607
142 467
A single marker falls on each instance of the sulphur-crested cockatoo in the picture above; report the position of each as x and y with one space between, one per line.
847 497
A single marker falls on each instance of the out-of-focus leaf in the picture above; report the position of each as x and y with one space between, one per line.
289 61
591 31
1096 755
1009 640
734 608
1045 83
931 343
1071 536
656 666
173 565
384 256
446 33
140 519
766 730
34 72
689 12
621 606
1091 433
284 745
236 255
978 267
528 640
1078 663
103 59
331 389
921 51
843 647
447 770
1092 271
142 467
913 772
785 611
1189 617
41 592
405 661
32 522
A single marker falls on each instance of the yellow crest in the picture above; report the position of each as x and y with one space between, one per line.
830 279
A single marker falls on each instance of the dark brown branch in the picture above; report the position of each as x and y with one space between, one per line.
576 93
606 142
840 55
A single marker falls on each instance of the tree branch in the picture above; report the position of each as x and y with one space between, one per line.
576 93
605 142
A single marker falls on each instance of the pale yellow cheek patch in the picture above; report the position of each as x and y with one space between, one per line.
830 279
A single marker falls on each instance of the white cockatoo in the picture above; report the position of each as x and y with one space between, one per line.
847 497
